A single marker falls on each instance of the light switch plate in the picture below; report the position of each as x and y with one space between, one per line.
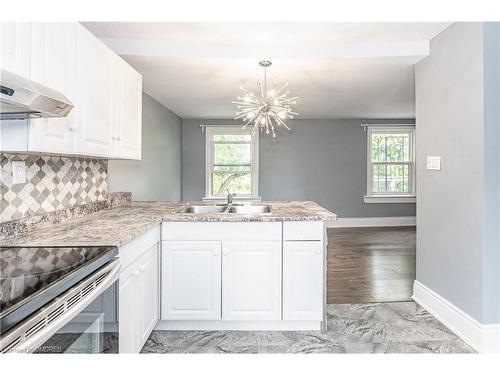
434 163
18 172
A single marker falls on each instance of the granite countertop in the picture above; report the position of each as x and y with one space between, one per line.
117 226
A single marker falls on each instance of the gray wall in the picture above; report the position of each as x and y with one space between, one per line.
491 259
158 175
322 160
451 214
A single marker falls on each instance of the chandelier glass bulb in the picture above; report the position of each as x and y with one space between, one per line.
267 111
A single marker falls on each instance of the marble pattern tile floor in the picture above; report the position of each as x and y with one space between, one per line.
394 327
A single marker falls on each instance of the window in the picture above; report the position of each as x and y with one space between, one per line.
231 162
391 164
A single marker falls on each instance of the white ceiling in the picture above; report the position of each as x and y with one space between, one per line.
338 70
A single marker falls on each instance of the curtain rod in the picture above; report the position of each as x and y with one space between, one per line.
365 125
203 126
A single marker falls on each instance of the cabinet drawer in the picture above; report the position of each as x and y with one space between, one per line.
133 250
303 230
221 231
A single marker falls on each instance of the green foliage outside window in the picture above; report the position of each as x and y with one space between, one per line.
390 154
232 165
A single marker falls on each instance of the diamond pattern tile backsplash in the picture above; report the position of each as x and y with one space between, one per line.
52 183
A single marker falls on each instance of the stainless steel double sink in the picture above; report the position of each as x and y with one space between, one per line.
227 209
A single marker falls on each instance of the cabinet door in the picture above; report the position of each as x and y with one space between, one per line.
191 280
15 47
303 280
53 65
96 82
251 284
148 291
128 135
128 311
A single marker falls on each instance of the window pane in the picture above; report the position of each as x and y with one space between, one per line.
232 138
391 178
238 153
231 179
390 147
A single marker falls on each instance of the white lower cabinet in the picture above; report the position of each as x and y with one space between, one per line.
251 280
128 312
191 280
149 288
242 276
245 280
303 280
138 301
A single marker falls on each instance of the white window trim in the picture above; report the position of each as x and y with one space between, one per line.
372 197
254 167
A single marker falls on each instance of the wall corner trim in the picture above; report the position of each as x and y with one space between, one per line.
353 222
484 338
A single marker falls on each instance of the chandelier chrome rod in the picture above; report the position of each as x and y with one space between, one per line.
269 109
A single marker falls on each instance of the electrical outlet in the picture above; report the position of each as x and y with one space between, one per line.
434 163
18 172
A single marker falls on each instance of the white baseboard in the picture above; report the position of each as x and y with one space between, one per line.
216 325
396 221
484 338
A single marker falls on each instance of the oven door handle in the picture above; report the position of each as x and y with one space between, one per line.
32 333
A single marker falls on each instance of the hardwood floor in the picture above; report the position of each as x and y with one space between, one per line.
370 264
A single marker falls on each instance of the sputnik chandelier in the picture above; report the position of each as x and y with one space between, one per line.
269 110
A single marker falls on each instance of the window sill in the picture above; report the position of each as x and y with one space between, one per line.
236 198
390 199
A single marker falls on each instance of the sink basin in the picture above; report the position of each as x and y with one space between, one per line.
249 209
219 209
203 209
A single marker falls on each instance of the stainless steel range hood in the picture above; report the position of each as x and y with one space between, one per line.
22 99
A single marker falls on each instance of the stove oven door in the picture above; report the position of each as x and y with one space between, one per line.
94 330
81 320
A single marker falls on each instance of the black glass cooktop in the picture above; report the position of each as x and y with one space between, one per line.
30 277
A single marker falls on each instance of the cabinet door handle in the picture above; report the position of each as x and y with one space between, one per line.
215 252
136 273
225 252
318 251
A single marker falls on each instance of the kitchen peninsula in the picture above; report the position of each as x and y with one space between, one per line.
187 267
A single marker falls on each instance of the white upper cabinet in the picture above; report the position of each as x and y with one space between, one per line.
128 130
15 47
53 65
251 280
106 92
96 93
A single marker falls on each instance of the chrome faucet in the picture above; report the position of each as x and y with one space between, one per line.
230 198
